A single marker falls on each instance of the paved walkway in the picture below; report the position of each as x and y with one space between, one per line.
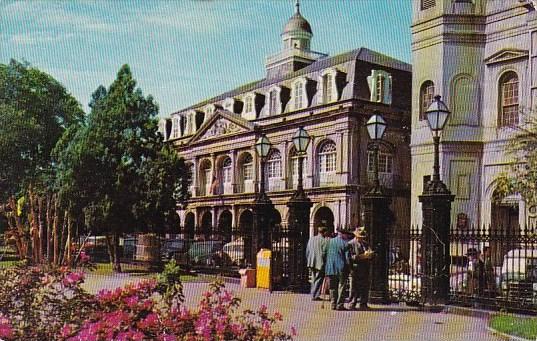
382 323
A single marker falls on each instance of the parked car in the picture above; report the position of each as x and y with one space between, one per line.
235 251
518 276
204 252
129 247
175 249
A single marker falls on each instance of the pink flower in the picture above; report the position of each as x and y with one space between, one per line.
131 301
73 278
66 330
84 258
5 328
293 331
278 316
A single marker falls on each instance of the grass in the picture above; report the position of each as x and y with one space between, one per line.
516 326
105 269
8 263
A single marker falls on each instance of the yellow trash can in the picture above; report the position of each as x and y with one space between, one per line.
263 269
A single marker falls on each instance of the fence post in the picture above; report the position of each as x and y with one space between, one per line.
435 250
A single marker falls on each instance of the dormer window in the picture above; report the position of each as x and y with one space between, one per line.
426 4
380 85
248 104
175 127
229 104
327 86
274 106
298 94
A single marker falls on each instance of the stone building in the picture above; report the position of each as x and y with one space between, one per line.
481 56
332 98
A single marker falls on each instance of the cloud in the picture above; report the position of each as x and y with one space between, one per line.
33 38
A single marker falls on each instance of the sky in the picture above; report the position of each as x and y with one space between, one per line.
185 51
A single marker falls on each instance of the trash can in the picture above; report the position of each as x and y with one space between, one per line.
247 278
263 269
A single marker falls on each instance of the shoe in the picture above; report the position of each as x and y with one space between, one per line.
352 307
317 299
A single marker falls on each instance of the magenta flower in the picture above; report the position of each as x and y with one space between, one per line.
5 328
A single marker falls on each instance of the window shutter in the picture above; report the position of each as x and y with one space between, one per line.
372 82
388 90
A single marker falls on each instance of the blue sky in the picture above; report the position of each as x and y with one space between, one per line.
184 51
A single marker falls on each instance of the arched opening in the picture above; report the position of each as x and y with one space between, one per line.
326 163
246 173
426 98
292 169
225 222
509 100
505 228
189 226
246 221
205 177
323 217
206 226
224 175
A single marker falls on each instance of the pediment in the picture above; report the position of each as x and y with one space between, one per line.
506 55
222 123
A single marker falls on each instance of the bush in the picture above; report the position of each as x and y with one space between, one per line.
151 309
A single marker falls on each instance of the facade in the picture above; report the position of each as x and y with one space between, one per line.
332 98
481 56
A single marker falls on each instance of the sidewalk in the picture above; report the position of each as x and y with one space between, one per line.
382 323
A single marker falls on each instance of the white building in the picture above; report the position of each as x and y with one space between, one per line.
481 57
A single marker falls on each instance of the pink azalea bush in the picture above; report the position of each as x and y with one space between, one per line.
148 310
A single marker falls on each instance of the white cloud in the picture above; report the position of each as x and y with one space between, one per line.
32 38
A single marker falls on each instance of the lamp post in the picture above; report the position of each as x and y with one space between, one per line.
436 209
262 208
299 220
376 215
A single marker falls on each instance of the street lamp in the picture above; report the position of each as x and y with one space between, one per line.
437 115
376 213
436 212
301 140
299 220
262 147
375 128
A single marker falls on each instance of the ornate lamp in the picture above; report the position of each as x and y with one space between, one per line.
376 126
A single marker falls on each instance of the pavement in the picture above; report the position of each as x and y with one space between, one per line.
316 321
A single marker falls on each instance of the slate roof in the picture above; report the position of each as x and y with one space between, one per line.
362 54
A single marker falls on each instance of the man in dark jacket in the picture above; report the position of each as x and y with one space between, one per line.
338 267
361 255
316 257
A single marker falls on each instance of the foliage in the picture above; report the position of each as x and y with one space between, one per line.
116 170
38 301
522 148
50 305
169 284
514 325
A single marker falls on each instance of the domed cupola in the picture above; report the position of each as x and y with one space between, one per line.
297 32
296 53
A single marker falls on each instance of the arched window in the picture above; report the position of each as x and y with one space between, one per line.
226 170
248 167
293 169
327 157
508 87
274 164
205 177
426 97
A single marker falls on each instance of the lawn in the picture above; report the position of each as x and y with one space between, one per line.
516 326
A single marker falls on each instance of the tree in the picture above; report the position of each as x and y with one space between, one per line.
522 177
35 110
116 170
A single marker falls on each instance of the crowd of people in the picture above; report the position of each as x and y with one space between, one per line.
332 259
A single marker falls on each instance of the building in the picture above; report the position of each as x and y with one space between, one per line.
481 56
332 98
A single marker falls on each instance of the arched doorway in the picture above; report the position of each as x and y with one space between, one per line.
189 226
225 222
246 221
505 228
323 217
206 225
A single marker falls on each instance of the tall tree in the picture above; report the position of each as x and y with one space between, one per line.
117 171
35 110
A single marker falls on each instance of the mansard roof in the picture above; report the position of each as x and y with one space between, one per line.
361 54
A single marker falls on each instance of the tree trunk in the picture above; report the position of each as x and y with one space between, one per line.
50 221
34 226
63 238
55 234
67 249
21 239
112 242
42 227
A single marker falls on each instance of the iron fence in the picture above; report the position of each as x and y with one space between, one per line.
491 267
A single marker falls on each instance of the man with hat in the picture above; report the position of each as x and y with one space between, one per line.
338 267
316 257
361 255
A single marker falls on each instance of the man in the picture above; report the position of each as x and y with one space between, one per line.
338 267
361 255
316 257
